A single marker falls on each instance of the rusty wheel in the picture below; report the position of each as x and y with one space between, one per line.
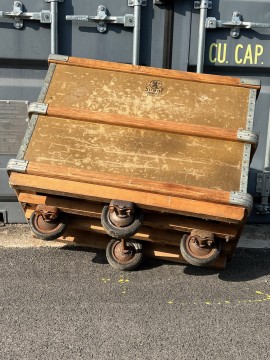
198 255
124 258
47 230
117 231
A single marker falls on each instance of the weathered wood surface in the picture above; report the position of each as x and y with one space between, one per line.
150 96
146 200
170 74
143 154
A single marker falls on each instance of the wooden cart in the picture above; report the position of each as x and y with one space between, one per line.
145 160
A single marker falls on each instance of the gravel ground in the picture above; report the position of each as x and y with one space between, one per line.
66 302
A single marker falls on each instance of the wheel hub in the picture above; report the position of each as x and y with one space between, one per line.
123 254
200 244
45 225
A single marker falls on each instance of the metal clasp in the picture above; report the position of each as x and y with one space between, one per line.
235 24
18 15
102 19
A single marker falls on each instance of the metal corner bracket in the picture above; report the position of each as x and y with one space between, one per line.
248 136
251 82
137 2
37 108
102 19
57 57
17 165
241 199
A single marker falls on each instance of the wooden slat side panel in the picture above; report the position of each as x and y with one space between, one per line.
124 182
137 69
143 154
150 97
156 220
149 201
169 127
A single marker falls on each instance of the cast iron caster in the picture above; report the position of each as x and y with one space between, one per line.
47 224
124 255
200 248
121 219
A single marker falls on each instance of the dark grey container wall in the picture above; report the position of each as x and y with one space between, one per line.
32 42
23 65
24 53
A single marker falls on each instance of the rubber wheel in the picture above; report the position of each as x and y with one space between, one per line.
121 232
128 261
48 230
199 256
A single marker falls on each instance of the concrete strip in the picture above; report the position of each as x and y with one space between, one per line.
19 236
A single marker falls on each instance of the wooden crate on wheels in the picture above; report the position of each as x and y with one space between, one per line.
138 160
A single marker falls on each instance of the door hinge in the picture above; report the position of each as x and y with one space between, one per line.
203 4
235 24
102 19
137 2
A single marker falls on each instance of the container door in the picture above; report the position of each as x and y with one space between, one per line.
237 43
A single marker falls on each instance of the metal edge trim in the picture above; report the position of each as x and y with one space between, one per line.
247 136
242 199
245 168
251 109
37 108
17 165
57 57
33 121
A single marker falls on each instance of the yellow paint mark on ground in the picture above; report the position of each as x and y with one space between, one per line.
170 302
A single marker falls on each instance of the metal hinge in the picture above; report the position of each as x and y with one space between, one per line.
235 24
102 19
202 5
18 15
137 2
17 165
